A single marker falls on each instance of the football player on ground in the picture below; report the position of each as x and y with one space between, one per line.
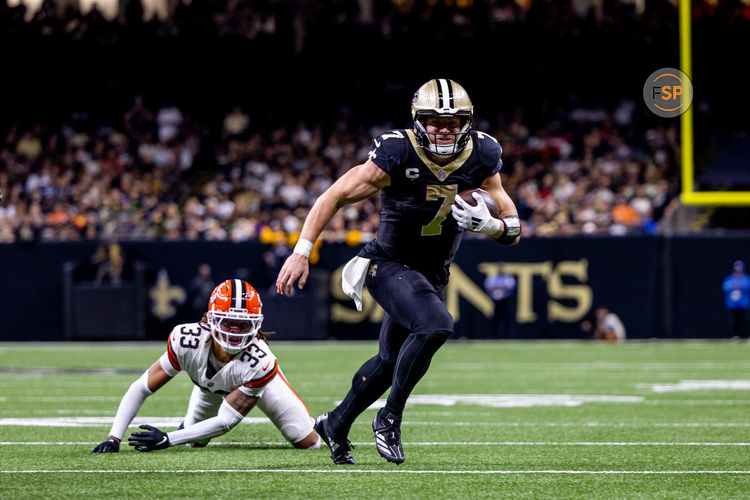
229 361
420 171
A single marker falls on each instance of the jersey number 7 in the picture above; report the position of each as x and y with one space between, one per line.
448 193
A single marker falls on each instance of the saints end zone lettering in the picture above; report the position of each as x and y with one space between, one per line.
346 312
461 286
556 289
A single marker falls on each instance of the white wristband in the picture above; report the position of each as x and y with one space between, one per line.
492 227
303 247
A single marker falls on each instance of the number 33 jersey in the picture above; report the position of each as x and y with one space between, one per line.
189 349
416 226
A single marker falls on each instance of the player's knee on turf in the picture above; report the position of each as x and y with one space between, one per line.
299 431
310 442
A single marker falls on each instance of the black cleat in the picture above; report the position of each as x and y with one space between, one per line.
388 438
339 449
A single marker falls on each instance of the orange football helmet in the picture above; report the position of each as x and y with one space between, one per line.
235 314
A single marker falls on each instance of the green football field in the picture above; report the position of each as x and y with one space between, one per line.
490 419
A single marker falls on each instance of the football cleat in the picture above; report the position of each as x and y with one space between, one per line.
339 449
388 438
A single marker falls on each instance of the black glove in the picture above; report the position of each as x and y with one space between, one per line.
153 439
108 446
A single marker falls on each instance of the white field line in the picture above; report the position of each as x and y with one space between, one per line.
108 414
374 471
568 424
495 414
418 443
699 385
172 421
697 402
102 413
116 399
105 421
58 399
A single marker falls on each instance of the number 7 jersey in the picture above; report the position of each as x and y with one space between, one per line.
416 228
189 349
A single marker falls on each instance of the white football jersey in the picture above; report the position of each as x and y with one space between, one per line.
189 349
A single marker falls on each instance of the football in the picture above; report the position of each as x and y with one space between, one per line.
491 205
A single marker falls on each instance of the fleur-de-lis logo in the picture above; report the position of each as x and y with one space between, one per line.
163 294
373 270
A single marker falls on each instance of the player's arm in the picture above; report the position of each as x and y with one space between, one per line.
510 232
148 383
234 407
355 185
506 229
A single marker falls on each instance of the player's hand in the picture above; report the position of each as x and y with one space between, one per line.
296 267
476 218
152 439
111 445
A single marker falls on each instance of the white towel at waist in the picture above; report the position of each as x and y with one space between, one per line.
353 279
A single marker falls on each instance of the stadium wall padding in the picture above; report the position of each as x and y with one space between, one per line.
660 287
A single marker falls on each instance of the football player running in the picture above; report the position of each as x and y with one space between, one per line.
233 370
419 171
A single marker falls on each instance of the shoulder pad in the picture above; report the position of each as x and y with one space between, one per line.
388 150
489 150
264 376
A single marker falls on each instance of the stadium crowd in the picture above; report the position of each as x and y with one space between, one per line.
112 20
153 176
217 168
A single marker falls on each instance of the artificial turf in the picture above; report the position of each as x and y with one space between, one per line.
530 436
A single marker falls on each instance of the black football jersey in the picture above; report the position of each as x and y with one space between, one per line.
416 225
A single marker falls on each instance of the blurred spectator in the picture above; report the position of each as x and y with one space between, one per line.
139 122
573 168
736 289
140 188
109 259
236 123
608 326
501 287
200 290
168 119
274 259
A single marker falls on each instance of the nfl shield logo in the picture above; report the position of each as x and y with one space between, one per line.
442 175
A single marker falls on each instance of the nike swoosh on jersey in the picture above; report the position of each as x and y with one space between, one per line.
266 367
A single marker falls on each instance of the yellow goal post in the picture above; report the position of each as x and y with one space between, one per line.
688 195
